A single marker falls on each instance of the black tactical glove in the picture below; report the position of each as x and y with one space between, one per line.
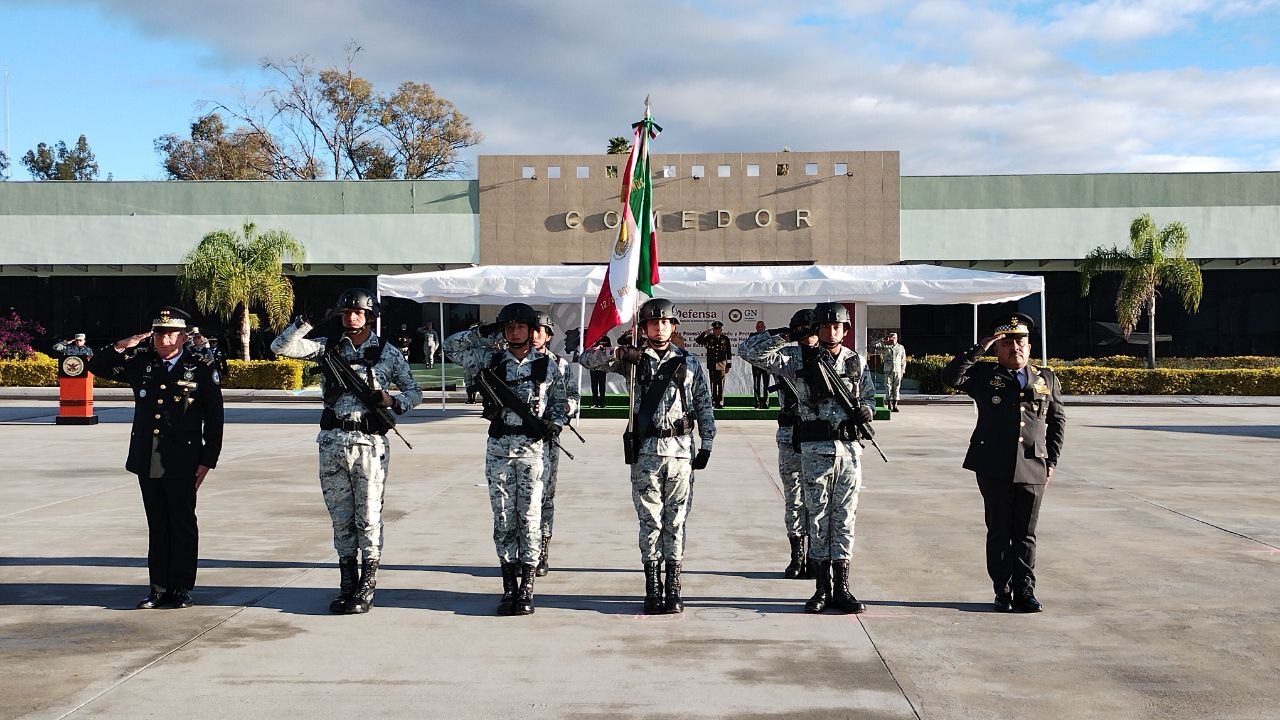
630 354
701 459
490 329
784 332
553 430
866 414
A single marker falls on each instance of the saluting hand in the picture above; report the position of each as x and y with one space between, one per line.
990 340
131 341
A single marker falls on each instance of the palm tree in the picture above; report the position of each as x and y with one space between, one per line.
619 146
228 275
1156 258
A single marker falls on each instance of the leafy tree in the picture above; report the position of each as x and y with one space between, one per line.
16 335
1156 259
334 123
229 274
4 165
62 163
213 153
619 146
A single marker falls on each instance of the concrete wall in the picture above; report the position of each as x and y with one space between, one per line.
846 217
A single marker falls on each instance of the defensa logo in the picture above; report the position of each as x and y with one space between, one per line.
696 314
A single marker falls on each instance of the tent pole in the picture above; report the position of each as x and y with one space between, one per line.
975 323
1044 347
582 332
442 358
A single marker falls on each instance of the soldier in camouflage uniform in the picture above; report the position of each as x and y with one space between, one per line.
794 516
540 336
895 366
354 452
671 393
827 437
515 454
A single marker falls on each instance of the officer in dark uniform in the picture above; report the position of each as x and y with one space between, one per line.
719 357
175 442
1013 450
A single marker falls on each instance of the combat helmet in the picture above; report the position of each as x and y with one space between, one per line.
830 312
517 313
544 321
801 319
658 309
358 299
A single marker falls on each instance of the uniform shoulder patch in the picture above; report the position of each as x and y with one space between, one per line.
217 379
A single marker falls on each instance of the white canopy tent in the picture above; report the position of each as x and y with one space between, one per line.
862 285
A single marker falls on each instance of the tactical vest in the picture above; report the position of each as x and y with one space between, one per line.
330 389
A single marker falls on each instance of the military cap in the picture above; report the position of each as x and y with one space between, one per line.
170 319
717 324
1014 325
78 336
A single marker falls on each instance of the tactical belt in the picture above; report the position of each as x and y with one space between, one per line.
329 421
821 430
683 426
499 430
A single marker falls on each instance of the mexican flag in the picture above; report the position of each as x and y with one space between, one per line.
633 264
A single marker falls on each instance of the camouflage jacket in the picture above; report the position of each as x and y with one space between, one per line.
389 370
572 396
787 360
548 400
895 358
670 409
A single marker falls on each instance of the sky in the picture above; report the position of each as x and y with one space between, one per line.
959 88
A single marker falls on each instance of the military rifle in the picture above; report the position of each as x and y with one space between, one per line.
497 392
831 378
346 379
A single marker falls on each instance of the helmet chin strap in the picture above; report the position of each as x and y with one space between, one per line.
828 344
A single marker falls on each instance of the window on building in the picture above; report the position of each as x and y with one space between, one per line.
553 171
698 171
753 171
842 168
611 171
784 169
584 172
526 172
722 171
811 168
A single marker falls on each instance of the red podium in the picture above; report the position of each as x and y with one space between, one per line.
75 392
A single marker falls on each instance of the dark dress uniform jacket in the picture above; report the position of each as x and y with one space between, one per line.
182 408
719 350
1020 431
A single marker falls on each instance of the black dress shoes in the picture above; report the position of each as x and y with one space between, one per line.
1027 603
153 600
1003 602
181 598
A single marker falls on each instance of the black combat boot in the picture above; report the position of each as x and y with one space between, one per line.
524 599
822 572
510 585
347 587
841 598
653 587
363 599
674 604
544 565
796 568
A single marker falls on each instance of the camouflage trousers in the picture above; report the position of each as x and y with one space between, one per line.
892 388
551 465
515 494
662 490
353 475
794 516
831 484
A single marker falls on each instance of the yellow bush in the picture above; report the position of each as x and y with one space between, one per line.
39 371
42 371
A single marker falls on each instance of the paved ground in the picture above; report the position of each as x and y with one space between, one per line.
1160 569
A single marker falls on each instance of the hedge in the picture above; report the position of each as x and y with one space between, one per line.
1123 375
42 371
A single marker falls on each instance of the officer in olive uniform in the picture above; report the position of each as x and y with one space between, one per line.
826 434
540 337
671 394
175 442
515 453
354 453
1013 451
719 359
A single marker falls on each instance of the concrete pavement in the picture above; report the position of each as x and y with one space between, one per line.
1159 560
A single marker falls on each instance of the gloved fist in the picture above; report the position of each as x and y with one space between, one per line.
866 414
490 329
630 354
783 332
701 459
553 430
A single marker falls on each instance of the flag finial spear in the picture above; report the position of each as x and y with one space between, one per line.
646 106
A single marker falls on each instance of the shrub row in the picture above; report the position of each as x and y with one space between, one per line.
1238 362
42 371
1082 377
